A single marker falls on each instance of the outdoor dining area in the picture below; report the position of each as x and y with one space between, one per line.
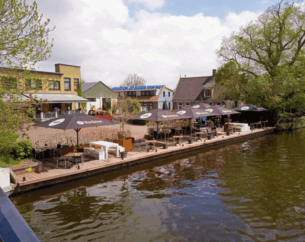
194 124
165 128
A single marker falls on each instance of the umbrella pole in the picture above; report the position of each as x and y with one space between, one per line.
157 130
77 130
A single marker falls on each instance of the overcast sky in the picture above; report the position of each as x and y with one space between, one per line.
157 39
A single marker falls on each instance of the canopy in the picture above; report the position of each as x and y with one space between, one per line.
194 112
158 115
57 97
75 121
220 111
249 108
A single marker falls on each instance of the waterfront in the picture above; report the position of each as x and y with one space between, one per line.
248 191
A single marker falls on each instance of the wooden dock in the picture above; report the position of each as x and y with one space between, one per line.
52 176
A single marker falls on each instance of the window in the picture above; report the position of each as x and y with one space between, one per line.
54 85
91 99
9 82
147 93
76 84
169 94
131 93
208 93
106 104
33 84
163 94
91 112
67 84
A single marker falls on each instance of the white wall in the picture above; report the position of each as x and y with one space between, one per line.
98 103
4 178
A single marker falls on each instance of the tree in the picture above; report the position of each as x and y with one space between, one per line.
23 42
80 94
23 34
133 80
125 109
264 63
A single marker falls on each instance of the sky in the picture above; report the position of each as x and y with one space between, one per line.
159 40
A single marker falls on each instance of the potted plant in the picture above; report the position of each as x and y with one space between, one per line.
66 149
122 141
190 141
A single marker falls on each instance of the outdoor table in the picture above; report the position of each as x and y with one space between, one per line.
178 138
199 134
258 124
73 155
264 123
106 145
151 142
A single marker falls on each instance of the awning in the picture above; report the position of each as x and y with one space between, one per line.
57 97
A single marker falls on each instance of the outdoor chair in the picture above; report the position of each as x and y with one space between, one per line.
171 141
60 158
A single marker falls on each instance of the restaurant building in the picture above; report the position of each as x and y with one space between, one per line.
194 90
150 97
59 88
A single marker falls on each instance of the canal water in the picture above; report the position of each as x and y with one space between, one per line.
247 191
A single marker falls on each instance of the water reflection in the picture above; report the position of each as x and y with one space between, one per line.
249 191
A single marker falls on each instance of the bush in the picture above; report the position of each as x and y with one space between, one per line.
8 141
65 146
23 149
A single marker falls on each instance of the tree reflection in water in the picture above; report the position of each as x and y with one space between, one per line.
251 191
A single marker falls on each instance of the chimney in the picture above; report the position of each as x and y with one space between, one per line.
214 72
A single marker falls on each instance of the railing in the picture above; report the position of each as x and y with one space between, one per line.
13 227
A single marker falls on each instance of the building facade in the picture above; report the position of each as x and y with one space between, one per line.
58 88
194 90
150 97
99 95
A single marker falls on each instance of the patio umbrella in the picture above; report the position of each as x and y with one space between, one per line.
202 105
220 110
159 115
195 112
250 108
75 121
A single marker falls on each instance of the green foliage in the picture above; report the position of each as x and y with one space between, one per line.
23 34
23 149
7 160
263 64
65 146
8 141
80 94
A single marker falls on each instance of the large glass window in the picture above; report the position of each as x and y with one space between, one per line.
67 84
76 84
54 85
9 82
33 84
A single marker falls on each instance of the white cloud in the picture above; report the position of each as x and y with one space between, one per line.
108 44
151 4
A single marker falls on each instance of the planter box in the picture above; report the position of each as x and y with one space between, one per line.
126 143
64 151
83 146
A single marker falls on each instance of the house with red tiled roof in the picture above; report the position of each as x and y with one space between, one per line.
194 90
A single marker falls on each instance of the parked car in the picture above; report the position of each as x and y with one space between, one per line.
100 114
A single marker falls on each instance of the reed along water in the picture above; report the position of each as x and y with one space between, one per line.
247 191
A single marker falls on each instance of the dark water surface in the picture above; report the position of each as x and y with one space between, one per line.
248 191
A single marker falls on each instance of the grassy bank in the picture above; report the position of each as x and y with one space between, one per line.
9 161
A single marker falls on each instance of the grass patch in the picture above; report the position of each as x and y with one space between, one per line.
7 160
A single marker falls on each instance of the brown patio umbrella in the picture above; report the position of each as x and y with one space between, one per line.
159 115
75 121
